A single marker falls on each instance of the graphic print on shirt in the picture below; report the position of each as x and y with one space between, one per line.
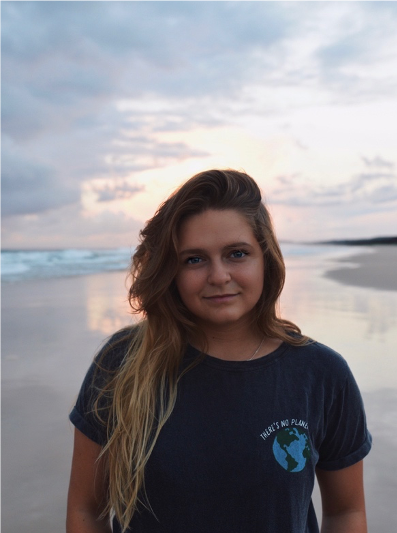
291 446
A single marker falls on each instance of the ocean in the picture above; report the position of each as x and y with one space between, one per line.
19 265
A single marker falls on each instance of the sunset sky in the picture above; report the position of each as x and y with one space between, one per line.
108 106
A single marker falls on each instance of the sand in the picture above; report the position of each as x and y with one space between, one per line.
50 331
376 269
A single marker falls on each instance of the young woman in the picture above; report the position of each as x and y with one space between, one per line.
214 414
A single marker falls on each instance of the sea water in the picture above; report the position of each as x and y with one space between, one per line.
18 265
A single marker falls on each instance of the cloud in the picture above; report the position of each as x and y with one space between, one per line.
361 191
378 162
342 52
117 192
80 55
373 8
102 47
29 187
66 61
355 59
75 58
374 188
133 152
68 227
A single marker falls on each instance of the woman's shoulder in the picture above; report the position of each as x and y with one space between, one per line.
321 356
115 349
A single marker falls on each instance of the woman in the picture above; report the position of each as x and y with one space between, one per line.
214 414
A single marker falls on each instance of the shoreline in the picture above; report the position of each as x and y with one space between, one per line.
375 269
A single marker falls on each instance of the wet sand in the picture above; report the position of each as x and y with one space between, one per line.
51 330
376 269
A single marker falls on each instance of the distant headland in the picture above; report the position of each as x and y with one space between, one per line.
375 241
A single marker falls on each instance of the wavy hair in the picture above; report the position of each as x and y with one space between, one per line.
142 393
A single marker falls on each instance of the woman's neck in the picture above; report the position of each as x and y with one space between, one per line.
237 343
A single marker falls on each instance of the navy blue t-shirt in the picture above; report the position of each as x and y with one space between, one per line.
239 452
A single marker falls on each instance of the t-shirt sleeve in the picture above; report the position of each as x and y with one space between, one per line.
102 369
346 440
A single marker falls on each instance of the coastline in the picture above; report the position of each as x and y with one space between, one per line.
374 269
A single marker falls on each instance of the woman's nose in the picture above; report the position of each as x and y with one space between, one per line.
218 273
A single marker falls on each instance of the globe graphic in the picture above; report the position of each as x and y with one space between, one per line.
291 449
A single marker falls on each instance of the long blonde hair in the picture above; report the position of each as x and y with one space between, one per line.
142 393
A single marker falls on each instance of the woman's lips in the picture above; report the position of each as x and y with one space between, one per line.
220 298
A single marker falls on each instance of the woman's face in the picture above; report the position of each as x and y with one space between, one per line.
221 268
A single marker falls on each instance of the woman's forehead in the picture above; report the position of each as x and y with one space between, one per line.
215 227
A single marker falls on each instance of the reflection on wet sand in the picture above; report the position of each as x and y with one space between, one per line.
357 322
107 304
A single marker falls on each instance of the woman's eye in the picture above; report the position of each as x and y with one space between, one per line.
238 254
193 260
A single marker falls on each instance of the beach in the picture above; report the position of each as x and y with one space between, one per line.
376 269
50 332
51 329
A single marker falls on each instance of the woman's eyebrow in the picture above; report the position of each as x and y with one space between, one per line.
192 251
226 247
237 244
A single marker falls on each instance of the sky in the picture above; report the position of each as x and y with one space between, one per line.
108 106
